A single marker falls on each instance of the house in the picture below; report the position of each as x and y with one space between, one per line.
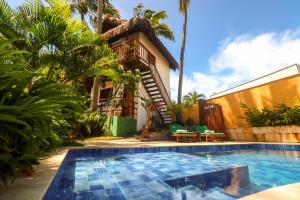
138 48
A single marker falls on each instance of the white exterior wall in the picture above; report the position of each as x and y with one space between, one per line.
162 64
141 111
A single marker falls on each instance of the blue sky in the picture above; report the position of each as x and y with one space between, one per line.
228 41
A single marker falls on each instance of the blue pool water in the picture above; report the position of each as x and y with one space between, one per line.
174 173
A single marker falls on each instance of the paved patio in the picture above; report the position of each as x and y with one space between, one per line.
33 187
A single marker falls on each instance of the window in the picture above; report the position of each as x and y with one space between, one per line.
105 93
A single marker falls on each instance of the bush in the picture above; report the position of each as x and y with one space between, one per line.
279 115
89 124
32 108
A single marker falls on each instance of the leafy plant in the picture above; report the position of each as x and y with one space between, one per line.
279 115
31 109
150 106
173 109
89 124
61 48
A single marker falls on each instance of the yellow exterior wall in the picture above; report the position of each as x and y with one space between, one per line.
192 113
162 64
281 91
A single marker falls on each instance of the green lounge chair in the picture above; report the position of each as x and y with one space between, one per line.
174 132
209 134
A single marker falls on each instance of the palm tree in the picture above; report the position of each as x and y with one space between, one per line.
82 6
90 7
107 8
173 109
193 97
155 17
61 48
96 84
183 8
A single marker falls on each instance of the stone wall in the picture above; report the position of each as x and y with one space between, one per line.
286 134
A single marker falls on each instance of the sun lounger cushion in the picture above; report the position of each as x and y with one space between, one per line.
174 128
204 130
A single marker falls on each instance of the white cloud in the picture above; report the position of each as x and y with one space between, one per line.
241 59
203 83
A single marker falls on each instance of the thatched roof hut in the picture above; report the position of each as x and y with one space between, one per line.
114 29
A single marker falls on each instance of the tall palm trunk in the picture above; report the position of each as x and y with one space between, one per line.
181 66
99 17
81 12
182 51
96 85
82 17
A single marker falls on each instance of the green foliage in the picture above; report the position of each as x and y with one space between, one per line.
155 18
31 109
149 104
89 124
89 7
173 109
192 98
279 115
61 48
46 57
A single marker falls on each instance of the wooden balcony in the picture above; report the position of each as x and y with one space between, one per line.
120 106
134 55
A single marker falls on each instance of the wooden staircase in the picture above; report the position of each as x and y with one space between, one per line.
156 90
135 55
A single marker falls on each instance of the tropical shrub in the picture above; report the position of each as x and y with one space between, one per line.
173 109
46 57
89 124
61 48
32 107
279 115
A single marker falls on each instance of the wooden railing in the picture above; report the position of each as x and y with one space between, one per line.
133 48
117 105
160 84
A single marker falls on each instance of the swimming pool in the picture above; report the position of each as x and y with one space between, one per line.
185 172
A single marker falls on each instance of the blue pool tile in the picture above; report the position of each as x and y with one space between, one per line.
166 195
139 173
117 197
123 183
145 178
113 191
96 187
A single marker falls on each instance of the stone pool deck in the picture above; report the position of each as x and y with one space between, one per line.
33 187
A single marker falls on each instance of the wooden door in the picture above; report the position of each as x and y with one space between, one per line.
212 116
